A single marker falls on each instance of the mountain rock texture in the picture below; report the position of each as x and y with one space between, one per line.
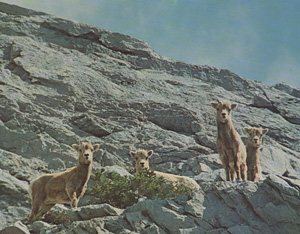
62 82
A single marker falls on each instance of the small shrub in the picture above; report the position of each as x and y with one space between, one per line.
123 191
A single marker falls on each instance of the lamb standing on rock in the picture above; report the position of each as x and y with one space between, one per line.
231 148
253 144
62 187
141 158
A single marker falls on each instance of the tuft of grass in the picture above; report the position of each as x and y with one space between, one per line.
124 191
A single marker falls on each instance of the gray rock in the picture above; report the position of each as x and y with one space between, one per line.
138 221
17 228
243 229
163 214
39 225
293 91
152 229
116 169
62 82
195 208
216 175
95 211
12 188
191 230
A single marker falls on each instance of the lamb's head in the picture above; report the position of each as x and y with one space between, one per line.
86 151
255 136
141 158
224 109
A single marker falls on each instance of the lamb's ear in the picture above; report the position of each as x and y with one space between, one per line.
233 106
248 130
75 147
265 131
96 147
132 154
214 104
150 152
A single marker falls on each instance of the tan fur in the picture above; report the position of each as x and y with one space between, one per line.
62 187
230 147
253 144
141 158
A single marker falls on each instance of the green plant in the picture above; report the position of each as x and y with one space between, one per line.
123 191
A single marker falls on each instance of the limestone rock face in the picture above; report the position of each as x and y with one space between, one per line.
62 82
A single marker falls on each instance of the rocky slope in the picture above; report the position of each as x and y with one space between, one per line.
62 82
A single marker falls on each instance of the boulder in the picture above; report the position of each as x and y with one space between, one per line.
17 228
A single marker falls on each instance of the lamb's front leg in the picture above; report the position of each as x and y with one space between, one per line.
82 192
224 159
237 164
73 197
74 201
255 174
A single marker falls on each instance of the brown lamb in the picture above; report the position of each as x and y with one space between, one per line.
141 158
253 144
62 187
230 147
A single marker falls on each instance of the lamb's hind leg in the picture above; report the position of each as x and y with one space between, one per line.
35 204
225 166
33 214
44 209
227 171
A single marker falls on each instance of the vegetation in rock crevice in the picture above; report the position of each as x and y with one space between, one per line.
123 191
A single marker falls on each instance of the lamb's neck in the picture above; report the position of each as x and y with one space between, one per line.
84 170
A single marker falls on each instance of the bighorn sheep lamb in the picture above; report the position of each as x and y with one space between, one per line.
62 187
141 158
230 147
253 144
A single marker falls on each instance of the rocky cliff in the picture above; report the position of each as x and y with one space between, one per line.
62 82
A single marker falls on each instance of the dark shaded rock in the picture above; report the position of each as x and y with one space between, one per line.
288 89
17 228
92 125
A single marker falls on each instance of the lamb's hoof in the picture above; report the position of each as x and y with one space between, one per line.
25 221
